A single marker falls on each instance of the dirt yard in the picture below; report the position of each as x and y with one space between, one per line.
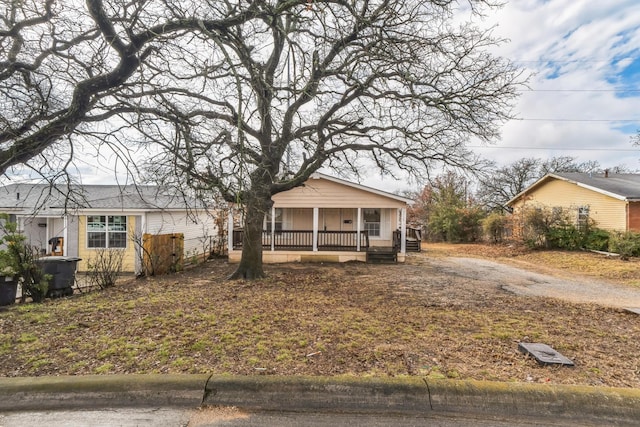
436 316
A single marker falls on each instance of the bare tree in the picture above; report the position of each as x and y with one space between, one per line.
324 84
250 98
499 185
567 164
62 66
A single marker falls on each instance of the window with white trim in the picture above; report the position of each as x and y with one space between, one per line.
583 216
279 215
372 221
107 231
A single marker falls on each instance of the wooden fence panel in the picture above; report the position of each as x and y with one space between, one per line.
162 253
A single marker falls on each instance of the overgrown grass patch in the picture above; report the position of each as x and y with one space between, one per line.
349 319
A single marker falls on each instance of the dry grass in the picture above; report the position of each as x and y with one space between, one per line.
560 263
350 319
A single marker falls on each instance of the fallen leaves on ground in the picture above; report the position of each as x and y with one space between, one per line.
320 319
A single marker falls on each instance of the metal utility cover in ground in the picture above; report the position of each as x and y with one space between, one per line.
544 354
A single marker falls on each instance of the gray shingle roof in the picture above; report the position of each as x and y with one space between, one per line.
45 198
625 185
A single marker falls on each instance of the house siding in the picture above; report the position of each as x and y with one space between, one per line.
72 241
329 194
87 254
36 235
608 213
198 229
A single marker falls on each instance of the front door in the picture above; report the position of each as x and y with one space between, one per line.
331 220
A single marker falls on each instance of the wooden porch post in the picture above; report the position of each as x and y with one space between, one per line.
230 231
316 217
403 230
273 228
359 227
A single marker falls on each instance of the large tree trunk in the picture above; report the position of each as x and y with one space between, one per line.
257 204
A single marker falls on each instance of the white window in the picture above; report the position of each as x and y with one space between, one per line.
583 216
279 215
372 221
106 231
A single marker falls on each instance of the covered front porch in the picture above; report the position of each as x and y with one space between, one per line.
328 220
331 237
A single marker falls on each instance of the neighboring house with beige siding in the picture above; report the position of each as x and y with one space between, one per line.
329 219
611 200
77 221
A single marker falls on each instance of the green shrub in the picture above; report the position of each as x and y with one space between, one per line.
494 227
626 244
556 229
20 260
597 240
564 236
455 224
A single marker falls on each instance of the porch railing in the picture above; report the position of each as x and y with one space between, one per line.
302 240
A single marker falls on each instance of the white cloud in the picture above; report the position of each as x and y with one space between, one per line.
579 52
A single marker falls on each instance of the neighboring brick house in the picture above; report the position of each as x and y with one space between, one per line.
611 200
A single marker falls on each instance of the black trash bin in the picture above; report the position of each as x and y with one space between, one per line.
63 272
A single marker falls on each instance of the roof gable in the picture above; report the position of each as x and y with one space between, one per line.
619 186
326 191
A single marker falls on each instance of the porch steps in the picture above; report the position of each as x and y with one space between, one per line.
382 255
413 245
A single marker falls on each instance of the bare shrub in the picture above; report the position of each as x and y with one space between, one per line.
104 267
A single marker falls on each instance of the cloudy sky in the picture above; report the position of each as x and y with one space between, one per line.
584 97
584 92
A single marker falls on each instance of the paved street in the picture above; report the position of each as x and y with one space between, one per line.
230 417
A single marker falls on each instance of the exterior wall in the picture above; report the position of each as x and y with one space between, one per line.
86 254
329 194
608 213
301 219
634 216
36 236
72 236
199 229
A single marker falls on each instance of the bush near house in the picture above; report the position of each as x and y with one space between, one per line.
626 244
495 227
557 229
18 259
456 224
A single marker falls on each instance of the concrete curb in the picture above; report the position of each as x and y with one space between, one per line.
101 391
410 395
415 395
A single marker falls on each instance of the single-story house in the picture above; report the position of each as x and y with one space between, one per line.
330 220
611 200
78 220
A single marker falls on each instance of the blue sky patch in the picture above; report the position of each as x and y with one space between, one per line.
628 79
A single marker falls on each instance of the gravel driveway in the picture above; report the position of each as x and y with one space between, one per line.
523 282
